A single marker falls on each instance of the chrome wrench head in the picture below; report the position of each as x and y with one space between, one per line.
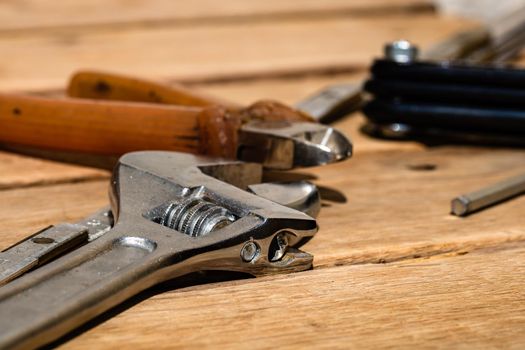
203 200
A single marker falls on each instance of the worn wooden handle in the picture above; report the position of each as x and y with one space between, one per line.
179 120
218 124
108 86
98 127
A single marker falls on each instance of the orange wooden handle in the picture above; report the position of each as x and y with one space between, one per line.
117 127
218 124
108 86
98 127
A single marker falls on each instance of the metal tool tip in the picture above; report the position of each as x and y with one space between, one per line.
459 206
286 145
322 146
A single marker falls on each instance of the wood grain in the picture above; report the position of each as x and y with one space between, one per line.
209 52
441 281
28 210
395 208
19 171
466 301
35 15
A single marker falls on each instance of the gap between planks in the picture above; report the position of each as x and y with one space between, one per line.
213 53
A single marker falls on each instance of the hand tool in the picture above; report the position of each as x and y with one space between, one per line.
324 106
45 245
173 213
447 102
447 96
271 132
474 201
332 102
267 131
49 243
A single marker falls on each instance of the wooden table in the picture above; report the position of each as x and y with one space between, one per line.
392 267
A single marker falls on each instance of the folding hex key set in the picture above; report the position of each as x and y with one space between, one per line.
446 101
171 213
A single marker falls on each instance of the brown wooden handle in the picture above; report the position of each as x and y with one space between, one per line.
107 86
217 125
98 127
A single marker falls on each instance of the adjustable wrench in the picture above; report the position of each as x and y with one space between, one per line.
173 214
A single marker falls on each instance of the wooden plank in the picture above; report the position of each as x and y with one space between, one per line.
468 301
40 14
25 211
22 171
288 90
379 206
398 204
209 52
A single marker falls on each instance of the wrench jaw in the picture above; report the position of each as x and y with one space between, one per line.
279 254
252 252
294 260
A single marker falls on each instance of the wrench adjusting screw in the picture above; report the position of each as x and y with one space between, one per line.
196 217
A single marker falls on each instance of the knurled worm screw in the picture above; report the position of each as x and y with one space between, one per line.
196 216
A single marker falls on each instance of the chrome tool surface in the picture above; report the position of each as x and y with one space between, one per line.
490 195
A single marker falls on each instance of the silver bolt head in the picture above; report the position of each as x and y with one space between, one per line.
249 251
401 51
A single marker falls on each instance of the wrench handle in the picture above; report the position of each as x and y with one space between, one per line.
55 299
